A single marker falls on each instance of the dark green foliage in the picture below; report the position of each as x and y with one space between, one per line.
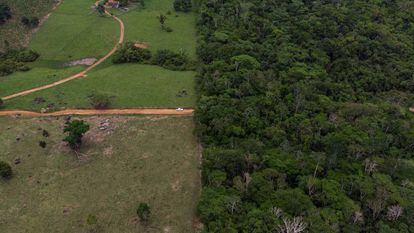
100 8
130 53
171 60
30 22
5 13
165 58
123 3
182 5
14 60
100 101
303 110
162 18
42 144
45 133
5 170
76 129
144 212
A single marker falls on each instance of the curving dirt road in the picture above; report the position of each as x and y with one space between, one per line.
132 111
81 74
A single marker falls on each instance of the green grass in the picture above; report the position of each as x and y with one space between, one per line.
143 25
36 77
73 32
151 160
131 85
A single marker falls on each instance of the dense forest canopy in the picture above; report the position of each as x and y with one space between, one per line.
303 113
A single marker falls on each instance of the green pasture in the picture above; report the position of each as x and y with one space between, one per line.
145 159
130 85
74 31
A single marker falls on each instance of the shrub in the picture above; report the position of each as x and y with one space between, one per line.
5 13
27 56
167 29
171 60
7 67
5 170
100 101
130 53
30 22
42 144
144 212
182 5
14 60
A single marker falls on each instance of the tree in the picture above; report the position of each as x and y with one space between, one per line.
162 18
100 101
5 13
296 225
144 212
76 130
182 5
131 53
30 22
5 170
100 8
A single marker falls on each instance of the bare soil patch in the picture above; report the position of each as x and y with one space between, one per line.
84 61
141 45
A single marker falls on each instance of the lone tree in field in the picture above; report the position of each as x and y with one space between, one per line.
5 170
162 18
100 101
144 212
76 130
100 8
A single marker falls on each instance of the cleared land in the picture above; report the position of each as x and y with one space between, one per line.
140 86
151 159
142 25
131 85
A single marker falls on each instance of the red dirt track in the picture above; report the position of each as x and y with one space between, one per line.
88 112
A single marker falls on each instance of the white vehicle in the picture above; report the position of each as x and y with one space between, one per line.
180 109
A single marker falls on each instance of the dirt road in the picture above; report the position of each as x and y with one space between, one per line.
133 111
81 74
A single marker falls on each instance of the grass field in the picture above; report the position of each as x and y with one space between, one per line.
73 32
130 85
151 159
36 77
143 25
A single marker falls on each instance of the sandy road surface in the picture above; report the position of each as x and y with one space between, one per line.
132 111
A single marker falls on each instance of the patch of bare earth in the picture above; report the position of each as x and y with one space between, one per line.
102 127
141 45
197 225
176 185
85 61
